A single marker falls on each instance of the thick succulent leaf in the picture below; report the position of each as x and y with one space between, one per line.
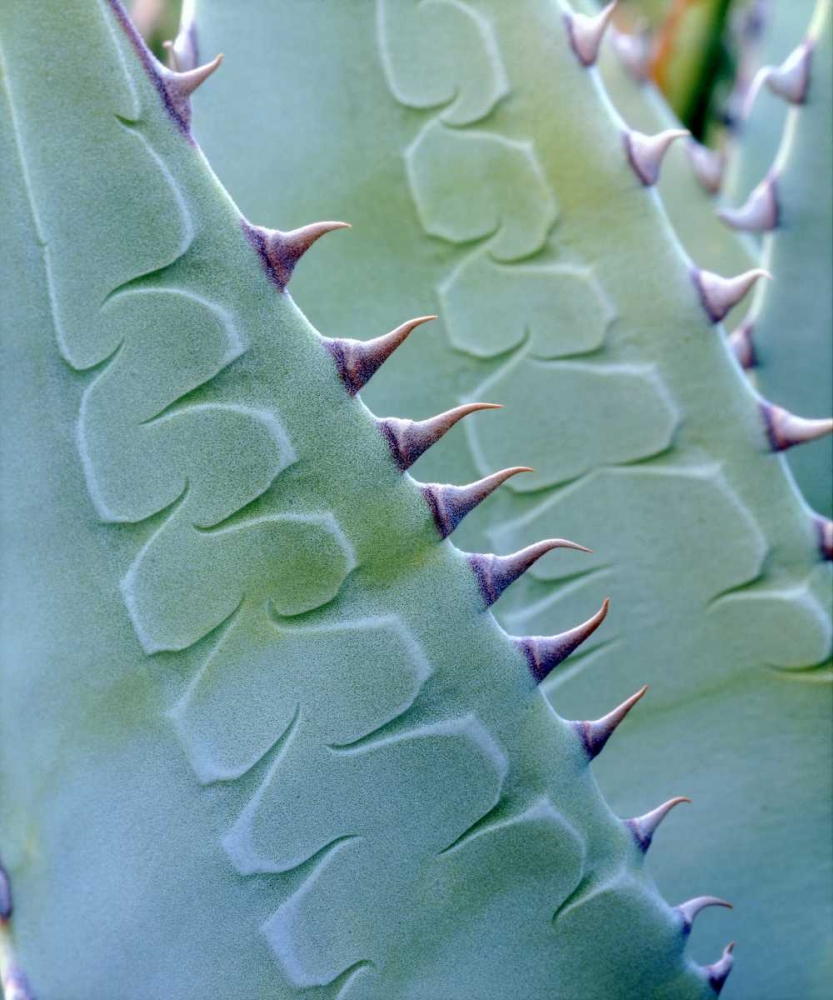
499 179
688 200
772 31
791 326
259 736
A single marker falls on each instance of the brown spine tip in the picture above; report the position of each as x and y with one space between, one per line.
409 439
595 734
692 907
450 504
281 251
644 827
720 295
358 361
718 972
709 165
743 345
761 211
544 652
585 32
785 429
187 82
495 573
646 152
824 528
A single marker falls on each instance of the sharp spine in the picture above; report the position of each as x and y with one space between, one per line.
790 80
359 360
5 897
709 165
495 573
720 295
644 827
718 972
180 86
742 343
544 652
586 32
450 504
692 907
761 211
785 429
280 251
824 528
185 83
409 439
646 152
595 734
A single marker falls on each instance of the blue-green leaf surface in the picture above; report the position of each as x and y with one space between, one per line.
494 189
258 735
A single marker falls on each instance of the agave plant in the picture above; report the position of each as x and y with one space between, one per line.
261 734
563 294
791 208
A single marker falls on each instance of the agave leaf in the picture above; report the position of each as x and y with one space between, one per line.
769 33
259 734
688 200
500 179
790 330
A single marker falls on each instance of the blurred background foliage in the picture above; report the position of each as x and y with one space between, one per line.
157 20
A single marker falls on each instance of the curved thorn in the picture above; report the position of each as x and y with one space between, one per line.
720 295
709 165
586 32
184 84
450 504
359 360
692 907
646 152
178 88
544 652
785 429
280 251
824 527
644 827
718 972
790 80
743 346
760 212
634 52
495 573
408 439
595 734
